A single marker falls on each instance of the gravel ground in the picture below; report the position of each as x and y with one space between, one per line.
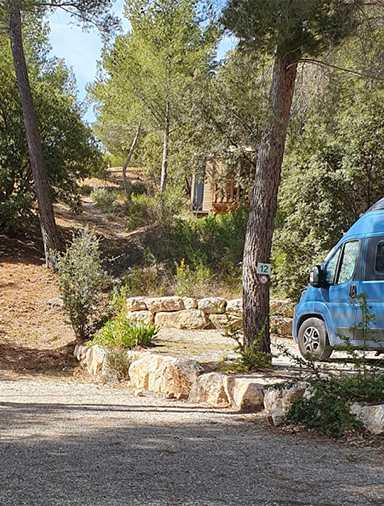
67 442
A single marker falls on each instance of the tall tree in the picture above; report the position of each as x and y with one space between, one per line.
288 30
88 13
143 74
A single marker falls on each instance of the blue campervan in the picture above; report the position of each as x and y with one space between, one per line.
326 315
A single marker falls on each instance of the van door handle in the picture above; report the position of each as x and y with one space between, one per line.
352 290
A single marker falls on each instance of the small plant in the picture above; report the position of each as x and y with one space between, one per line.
121 332
118 364
192 282
251 358
81 281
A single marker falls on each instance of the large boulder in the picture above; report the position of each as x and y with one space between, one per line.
141 371
188 319
145 317
136 304
246 393
212 305
178 375
210 389
159 304
372 417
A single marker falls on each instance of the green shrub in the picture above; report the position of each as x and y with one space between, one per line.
105 199
138 188
81 281
122 332
192 282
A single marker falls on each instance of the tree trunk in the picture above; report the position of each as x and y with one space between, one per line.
42 189
263 205
126 182
164 161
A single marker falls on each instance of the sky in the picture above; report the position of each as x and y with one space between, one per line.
81 50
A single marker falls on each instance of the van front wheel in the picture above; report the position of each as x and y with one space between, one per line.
313 340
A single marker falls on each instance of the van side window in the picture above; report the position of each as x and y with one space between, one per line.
331 268
348 262
379 262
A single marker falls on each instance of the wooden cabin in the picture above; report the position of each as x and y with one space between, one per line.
210 197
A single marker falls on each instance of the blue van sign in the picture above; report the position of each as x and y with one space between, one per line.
326 313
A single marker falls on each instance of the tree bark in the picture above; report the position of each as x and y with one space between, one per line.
263 204
126 182
42 189
164 161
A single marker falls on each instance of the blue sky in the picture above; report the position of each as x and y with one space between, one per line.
81 50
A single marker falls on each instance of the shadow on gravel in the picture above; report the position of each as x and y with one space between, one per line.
22 360
161 459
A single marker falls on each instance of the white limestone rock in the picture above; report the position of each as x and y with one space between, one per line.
80 352
160 304
371 416
281 399
193 319
94 359
190 303
136 304
246 393
145 317
210 389
178 375
225 321
284 307
212 305
142 370
235 306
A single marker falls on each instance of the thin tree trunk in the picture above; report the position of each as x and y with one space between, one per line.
42 189
164 161
126 182
263 205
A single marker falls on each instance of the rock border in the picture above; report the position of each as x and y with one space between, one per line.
178 378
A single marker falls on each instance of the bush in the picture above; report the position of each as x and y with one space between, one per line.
105 199
81 281
122 332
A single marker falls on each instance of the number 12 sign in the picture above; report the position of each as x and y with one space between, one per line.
263 269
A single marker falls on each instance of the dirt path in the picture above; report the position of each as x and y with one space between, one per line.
74 443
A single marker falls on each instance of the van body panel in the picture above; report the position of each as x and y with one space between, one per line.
355 265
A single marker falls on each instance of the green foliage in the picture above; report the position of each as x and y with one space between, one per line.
211 249
333 393
145 210
123 332
105 199
301 27
81 281
192 282
251 357
69 149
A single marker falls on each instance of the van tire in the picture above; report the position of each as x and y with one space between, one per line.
313 340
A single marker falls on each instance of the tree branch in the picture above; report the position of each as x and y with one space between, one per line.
324 64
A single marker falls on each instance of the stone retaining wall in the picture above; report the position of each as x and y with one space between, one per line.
178 378
212 312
